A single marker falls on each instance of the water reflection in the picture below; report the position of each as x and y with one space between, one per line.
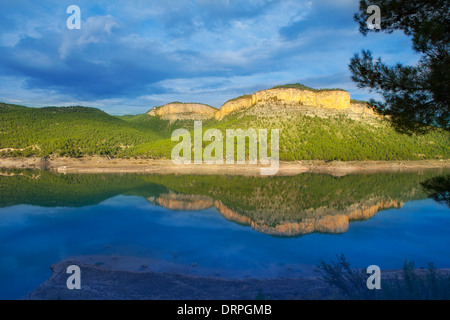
316 221
280 206
438 188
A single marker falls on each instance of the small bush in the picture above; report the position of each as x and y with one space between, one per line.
408 285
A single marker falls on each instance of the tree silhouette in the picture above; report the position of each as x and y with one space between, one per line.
415 97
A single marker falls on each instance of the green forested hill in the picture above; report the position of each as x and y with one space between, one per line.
72 131
304 137
78 131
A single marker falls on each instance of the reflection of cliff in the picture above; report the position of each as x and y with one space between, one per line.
367 212
187 202
316 221
232 215
333 224
328 224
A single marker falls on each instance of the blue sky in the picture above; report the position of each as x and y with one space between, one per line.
132 55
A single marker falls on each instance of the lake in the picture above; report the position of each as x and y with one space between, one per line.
227 226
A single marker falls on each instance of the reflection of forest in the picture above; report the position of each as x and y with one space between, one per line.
283 206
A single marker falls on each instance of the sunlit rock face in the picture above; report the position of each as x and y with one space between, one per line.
184 111
234 105
333 99
327 101
361 109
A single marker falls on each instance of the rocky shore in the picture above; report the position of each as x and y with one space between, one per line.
103 283
150 166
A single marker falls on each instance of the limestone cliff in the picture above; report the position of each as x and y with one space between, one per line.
320 99
184 111
328 99
234 105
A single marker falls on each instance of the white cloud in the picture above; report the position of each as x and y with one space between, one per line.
94 30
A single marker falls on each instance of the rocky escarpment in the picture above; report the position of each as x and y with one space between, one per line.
329 99
335 99
184 111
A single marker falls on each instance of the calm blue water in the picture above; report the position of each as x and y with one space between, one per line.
33 238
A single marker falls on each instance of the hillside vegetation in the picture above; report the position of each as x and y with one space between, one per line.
305 134
72 131
308 137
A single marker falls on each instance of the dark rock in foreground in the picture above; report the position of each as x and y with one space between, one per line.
98 283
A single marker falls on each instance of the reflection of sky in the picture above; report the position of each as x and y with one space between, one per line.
33 238
130 57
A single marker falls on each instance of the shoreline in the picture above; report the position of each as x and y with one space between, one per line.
149 166
102 283
118 281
